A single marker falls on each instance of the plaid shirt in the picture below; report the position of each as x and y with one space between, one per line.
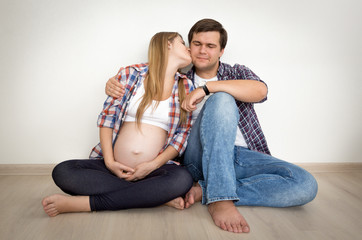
248 122
115 110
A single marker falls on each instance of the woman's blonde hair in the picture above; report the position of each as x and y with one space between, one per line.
157 63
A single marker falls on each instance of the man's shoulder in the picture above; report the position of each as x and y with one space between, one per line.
132 70
227 71
228 67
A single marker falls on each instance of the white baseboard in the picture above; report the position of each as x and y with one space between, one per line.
26 169
46 169
332 167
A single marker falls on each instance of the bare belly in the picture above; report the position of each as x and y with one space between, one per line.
133 147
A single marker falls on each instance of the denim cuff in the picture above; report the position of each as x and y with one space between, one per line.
218 199
206 201
203 199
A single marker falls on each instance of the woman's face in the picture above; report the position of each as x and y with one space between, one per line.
180 51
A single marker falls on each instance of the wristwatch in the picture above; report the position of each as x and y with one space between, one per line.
204 87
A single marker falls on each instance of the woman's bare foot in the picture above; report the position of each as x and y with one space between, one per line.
227 217
194 195
177 203
57 203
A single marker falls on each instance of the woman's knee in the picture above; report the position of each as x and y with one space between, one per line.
61 168
62 174
181 180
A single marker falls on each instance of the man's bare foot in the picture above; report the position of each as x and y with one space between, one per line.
194 195
227 217
177 203
57 203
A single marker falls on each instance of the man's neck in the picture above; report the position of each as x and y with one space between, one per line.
207 73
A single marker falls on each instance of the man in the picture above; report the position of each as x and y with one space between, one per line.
227 153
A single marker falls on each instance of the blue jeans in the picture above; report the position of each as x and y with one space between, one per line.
228 172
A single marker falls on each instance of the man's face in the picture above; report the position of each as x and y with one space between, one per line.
206 51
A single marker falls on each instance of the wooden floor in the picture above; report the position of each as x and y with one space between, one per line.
336 213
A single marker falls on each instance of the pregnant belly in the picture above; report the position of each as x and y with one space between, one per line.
135 145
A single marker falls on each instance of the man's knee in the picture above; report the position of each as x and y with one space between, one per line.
307 189
311 188
221 105
221 99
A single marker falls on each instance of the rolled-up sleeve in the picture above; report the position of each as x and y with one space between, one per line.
111 107
108 117
243 72
182 131
179 140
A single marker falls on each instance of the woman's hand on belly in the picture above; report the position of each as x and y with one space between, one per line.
119 169
142 170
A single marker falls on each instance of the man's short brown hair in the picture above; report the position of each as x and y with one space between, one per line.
209 25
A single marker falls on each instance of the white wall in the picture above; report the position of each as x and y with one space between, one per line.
55 57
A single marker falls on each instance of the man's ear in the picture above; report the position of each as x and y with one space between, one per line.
221 52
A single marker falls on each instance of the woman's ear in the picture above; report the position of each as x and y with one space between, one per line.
169 45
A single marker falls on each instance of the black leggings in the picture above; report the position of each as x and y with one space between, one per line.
106 191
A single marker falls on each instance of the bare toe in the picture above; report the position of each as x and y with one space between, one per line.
57 203
239 228
194 195
227 217
177 203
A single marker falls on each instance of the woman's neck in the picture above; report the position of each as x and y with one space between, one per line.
171 70
169 81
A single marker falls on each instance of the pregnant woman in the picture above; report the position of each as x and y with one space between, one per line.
140 133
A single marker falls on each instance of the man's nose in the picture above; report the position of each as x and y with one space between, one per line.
203 49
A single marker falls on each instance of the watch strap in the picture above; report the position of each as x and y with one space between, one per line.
206 90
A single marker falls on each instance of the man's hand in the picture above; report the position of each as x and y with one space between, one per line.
190 101
114 88
141 171
118 169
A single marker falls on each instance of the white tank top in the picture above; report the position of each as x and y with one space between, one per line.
154 116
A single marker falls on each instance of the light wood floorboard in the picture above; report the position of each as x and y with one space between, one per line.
336 213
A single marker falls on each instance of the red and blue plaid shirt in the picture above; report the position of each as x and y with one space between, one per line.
248 122
115 110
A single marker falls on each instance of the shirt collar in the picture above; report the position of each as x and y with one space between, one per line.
179 75
220 70
142 69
